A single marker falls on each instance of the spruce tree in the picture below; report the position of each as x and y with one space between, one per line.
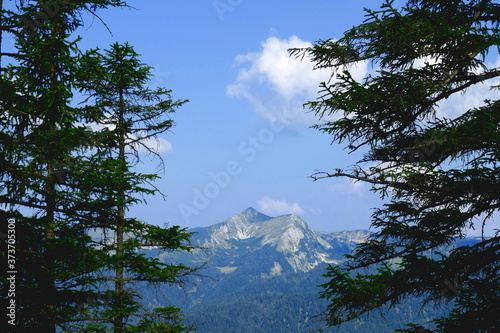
131 117
439 174
40 136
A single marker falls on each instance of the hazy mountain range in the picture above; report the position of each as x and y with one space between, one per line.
261 274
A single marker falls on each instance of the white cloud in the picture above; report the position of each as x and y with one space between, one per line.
460 102
165 147
357 188
283 74
158 145
421 62
276 83
278 207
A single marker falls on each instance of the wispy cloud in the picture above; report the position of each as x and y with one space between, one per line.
278 207
460 102
473 97
276 84
158 144
350 187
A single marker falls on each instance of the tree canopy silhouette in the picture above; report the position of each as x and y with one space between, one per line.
438 169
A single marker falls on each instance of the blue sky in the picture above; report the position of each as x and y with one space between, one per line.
243 139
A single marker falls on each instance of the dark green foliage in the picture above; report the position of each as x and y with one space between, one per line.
131 117
250 299
69 282
39 136
441 174
287 303
61 180
162 320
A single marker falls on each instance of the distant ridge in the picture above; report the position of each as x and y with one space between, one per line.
284 244
262 273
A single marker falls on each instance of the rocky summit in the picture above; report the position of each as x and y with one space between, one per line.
286 243
261 274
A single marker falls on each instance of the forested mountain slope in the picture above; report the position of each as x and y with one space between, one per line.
262 274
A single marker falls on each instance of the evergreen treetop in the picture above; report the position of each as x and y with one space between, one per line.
440 174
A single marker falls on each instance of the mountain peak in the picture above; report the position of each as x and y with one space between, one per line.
249 210
289 236
251 215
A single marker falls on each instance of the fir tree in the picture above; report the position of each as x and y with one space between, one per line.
131 116
40 137
441 175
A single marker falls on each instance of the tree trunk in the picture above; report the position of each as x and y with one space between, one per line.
120 228
50 202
